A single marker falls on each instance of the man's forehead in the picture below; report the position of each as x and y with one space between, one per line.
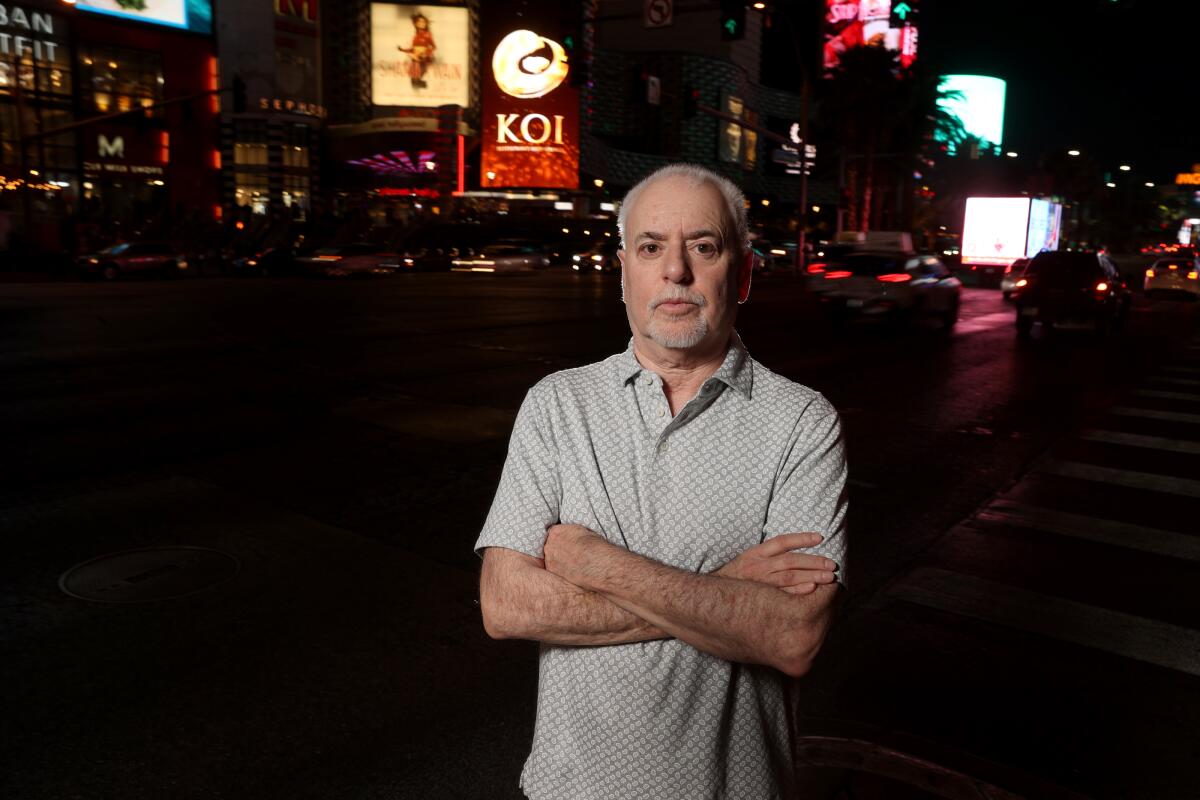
678 200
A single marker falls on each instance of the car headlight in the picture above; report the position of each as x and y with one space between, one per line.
597 258
577 258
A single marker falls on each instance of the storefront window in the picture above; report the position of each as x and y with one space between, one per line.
252 191
120 79
249 153
296 192
296 146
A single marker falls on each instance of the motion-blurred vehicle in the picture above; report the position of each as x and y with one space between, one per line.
1174 277
503 257
893 284
773 255
600 256
133 258
1071 287
272 261
1012 274
349 260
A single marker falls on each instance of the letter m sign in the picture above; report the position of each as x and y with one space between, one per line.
110 148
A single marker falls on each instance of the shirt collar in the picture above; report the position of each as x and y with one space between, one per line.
735 371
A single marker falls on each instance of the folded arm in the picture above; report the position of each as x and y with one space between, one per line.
731 618
521 600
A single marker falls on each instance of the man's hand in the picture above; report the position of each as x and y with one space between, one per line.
562 546
772 563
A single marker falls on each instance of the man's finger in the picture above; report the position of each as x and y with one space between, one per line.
790 561
801 589
799 576
790 541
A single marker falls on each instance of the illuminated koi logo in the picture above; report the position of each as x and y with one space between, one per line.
527 65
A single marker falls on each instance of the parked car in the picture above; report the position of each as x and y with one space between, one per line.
600 256
133 258
273 261
1177 276
1012 274
895 284
1071 287
502 257
342 261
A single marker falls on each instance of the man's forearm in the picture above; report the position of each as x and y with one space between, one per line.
521 600
737 620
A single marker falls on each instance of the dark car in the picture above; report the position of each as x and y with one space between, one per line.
273 261
599 256
1075 287
133 258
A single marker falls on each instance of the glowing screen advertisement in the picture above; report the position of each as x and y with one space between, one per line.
978 103
1045 222
420 55
188 15
994 230
890 24
530 111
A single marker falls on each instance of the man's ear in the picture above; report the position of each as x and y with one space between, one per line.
745 272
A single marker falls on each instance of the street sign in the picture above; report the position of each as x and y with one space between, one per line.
658 13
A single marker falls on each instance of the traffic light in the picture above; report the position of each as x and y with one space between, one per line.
691 97
239 94
902 14
733 20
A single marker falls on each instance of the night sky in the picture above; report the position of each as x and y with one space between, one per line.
1116 80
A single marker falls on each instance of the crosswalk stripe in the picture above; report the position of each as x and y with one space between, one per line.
1125 635
1137 440
1189 396
1176 381
1153 413
1104 531
1121 477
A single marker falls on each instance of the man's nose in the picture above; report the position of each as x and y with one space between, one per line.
675 266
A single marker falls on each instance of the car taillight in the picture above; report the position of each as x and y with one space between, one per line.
816 268
838 274
896 277
1101 287
1008 269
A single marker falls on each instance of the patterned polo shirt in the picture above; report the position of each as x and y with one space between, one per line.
751 456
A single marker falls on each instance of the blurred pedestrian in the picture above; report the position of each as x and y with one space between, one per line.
669 526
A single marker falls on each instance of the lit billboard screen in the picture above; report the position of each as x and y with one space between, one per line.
1045 222
978 105
871 23
530 112
995 230
188 15
420 55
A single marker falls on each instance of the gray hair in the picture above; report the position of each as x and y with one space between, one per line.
735 201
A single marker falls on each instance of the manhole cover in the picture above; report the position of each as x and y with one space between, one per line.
153 573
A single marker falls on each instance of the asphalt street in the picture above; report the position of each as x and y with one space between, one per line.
321 454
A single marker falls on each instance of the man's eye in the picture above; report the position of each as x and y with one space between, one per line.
705 249
650 249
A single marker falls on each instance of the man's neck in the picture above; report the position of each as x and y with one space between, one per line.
682 372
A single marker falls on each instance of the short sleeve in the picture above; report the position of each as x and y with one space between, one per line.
810 490
528 498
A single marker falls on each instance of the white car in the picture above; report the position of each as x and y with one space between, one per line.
502 257
873 284
1012 274
1179 275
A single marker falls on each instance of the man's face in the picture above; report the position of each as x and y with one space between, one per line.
682 270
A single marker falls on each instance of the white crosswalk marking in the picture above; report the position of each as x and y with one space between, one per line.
1152 413
1121 477
1189 396
1137 440
1104 531
1124 635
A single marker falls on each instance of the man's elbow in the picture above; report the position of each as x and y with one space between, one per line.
797 658
496 623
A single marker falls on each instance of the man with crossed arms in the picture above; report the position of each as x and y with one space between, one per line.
669 526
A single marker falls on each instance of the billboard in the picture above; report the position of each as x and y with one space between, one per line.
420 55
890 24
530 111
1045 222
979 106
994 230
188 15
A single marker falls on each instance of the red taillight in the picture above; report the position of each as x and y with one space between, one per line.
816 268
1101 287
838 274
1008 269
896 277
